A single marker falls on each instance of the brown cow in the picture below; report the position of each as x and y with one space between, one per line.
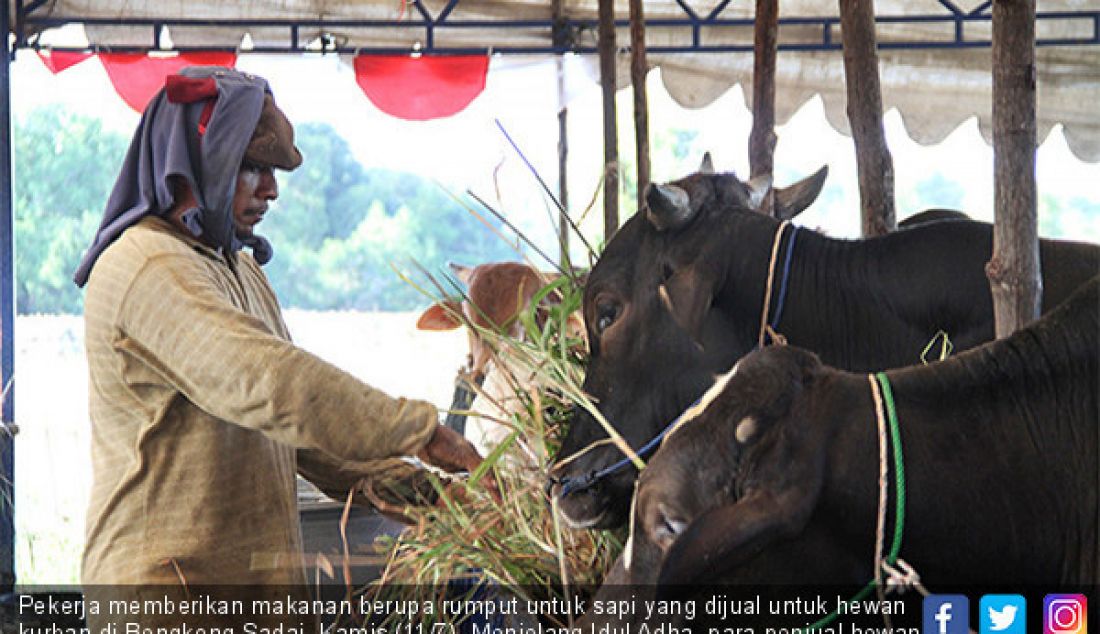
497 292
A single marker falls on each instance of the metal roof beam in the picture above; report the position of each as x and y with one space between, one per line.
825 43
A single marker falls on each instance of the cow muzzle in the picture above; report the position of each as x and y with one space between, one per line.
599 503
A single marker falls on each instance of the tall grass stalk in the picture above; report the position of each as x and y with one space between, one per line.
516 545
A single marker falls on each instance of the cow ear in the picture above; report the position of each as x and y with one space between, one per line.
794 199
687 296
726 537
462 272
445 315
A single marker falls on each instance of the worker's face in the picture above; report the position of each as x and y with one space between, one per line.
255 187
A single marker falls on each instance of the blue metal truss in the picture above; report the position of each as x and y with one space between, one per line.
7 324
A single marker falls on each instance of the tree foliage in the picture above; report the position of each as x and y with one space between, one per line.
65 166
338 229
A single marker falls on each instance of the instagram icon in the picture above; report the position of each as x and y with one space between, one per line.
1065 614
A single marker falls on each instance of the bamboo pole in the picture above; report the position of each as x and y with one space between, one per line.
563 168
606 32
876 167
638 70
1014 269
762 139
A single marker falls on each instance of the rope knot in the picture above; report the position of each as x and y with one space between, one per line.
776 338
902 578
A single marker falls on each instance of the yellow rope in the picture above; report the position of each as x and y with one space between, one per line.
598 443
945 349
883 468
771 278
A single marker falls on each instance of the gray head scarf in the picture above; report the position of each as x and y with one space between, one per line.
168 143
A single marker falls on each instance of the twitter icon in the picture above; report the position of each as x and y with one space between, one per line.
1002 614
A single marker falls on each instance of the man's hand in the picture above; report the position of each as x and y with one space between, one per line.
449 451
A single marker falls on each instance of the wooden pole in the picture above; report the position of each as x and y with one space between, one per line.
563 168
606 32
876 168
762 139
561 39
638 71
1013 271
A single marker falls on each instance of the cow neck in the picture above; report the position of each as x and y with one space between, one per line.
1014 402
838 302
741 297
746 296
889 445
778 276
1030 406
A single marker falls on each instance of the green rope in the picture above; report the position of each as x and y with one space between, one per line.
899 502
899 466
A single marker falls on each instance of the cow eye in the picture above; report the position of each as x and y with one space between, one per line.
606 314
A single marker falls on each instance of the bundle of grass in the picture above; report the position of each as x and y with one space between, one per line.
469 542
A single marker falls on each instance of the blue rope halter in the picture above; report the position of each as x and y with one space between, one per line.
571 485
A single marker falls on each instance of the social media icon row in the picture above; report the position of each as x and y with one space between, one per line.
1004 614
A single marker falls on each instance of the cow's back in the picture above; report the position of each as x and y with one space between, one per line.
1066 266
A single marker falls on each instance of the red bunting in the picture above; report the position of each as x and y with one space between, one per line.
58 61
137 77
421 88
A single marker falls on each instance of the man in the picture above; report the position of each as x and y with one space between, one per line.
202 410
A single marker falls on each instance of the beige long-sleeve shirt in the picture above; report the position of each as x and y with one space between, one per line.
198 404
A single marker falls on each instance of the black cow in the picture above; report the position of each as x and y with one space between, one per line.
932 215
678 293
775 480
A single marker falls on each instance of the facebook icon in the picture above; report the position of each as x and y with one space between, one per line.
946 614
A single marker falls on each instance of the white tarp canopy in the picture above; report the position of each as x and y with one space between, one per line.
934 89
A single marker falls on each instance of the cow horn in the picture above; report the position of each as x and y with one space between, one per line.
669 206
792 200
707 164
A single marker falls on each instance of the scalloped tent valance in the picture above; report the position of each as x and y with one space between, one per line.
934 89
